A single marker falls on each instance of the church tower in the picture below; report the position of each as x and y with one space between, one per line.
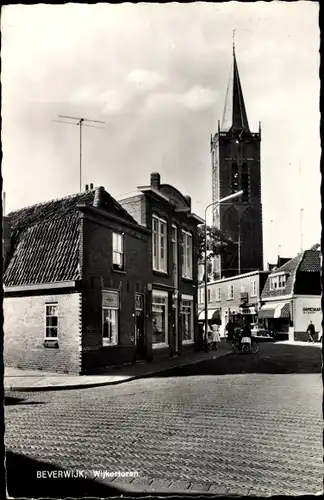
235 152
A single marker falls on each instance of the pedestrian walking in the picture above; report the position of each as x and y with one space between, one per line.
215 337
311 332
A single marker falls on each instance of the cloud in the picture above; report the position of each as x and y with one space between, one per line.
114 101
163 101
144 80
197 98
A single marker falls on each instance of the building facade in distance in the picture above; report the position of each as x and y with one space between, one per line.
291 297
237 298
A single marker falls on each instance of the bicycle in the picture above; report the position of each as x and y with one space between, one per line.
245 345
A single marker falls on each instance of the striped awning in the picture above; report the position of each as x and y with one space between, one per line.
210 314
275 310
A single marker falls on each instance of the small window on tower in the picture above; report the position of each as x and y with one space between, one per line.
235 178
245 182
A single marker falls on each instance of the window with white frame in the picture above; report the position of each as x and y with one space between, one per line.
118 251
187 255
230 292
282 281
278 282
254 288
213 294
242 288
110 317
187 312
218 294
159 244
202 295
51 321
159 318
174 239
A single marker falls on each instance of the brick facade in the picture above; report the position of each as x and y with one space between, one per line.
98 274
24 327
143 207
76 260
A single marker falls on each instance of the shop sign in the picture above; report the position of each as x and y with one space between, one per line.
110 299
311 310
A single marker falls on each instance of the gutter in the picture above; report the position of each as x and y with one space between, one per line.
40 286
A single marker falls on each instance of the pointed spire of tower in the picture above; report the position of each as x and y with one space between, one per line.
234 116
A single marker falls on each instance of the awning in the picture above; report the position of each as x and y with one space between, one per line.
210 314
275 310
248 310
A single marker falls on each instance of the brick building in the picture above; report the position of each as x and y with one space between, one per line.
172 264
291 297
235 155
74 284
237 298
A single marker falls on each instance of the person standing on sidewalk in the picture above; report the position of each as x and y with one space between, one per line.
215 336
311 332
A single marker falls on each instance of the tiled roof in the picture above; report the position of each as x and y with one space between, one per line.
290 268
45 238
311 261
307 261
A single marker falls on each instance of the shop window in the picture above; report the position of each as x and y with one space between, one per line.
187 319
110 317
51 321
159 318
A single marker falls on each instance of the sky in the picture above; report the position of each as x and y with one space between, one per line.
157 74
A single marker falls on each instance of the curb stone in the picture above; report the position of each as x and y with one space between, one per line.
116 382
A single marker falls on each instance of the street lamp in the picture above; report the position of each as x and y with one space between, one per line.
222 200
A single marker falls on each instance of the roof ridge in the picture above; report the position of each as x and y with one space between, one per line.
42 203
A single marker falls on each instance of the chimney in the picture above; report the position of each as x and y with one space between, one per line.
188 200
87 187
155 180
98 197
6 242
91 186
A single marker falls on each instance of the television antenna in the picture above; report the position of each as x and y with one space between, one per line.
79 121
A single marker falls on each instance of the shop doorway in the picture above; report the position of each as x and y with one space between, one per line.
139 327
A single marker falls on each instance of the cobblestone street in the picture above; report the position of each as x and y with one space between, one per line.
243 432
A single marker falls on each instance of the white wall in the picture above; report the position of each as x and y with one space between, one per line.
302 316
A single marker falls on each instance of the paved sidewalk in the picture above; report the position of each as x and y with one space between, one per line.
16 379
299 343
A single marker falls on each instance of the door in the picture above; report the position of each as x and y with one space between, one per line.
139 326
139 335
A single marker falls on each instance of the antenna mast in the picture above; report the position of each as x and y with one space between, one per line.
80 122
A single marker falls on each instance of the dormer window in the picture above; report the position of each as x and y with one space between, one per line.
278 282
